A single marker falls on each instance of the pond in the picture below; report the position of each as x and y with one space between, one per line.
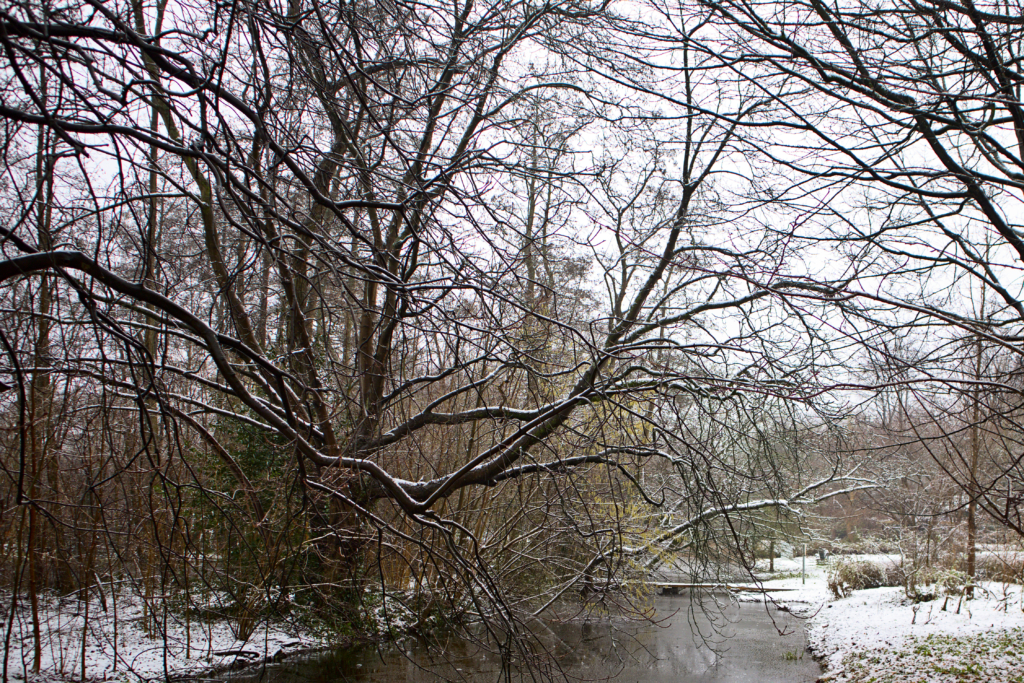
748 648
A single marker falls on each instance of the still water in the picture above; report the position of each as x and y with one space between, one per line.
747 648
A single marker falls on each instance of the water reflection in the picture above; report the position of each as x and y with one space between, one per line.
748 649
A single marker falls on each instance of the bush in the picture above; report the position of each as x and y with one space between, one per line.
846 576
856 545
927 583
1001 567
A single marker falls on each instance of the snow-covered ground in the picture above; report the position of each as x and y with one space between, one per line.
174 648
799 594
881 636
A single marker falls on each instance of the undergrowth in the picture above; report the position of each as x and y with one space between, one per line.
984 658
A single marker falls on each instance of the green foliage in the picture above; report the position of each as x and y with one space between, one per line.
948 581
261 456
268 566
927 583
342 616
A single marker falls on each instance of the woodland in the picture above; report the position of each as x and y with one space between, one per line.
486 308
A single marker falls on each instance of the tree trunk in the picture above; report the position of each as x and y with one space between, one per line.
972 489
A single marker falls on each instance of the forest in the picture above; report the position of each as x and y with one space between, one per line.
348 311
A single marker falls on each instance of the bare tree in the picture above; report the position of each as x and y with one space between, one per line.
330 271
896 140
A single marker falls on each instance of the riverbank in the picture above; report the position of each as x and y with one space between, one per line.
880 635
118 640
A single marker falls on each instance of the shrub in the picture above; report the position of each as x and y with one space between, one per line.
846 576
1004 568
928 583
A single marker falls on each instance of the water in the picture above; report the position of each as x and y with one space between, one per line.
748 649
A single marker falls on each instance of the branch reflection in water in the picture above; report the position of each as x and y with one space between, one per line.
749 649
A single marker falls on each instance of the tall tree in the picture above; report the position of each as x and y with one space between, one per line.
445 347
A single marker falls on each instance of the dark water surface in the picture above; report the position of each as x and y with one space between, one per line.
751 650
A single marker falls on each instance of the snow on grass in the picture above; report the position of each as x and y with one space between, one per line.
171 646
994 656
880 636
787 585
144 649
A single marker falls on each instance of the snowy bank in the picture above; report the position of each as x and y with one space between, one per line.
788 585
119 642
880 635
